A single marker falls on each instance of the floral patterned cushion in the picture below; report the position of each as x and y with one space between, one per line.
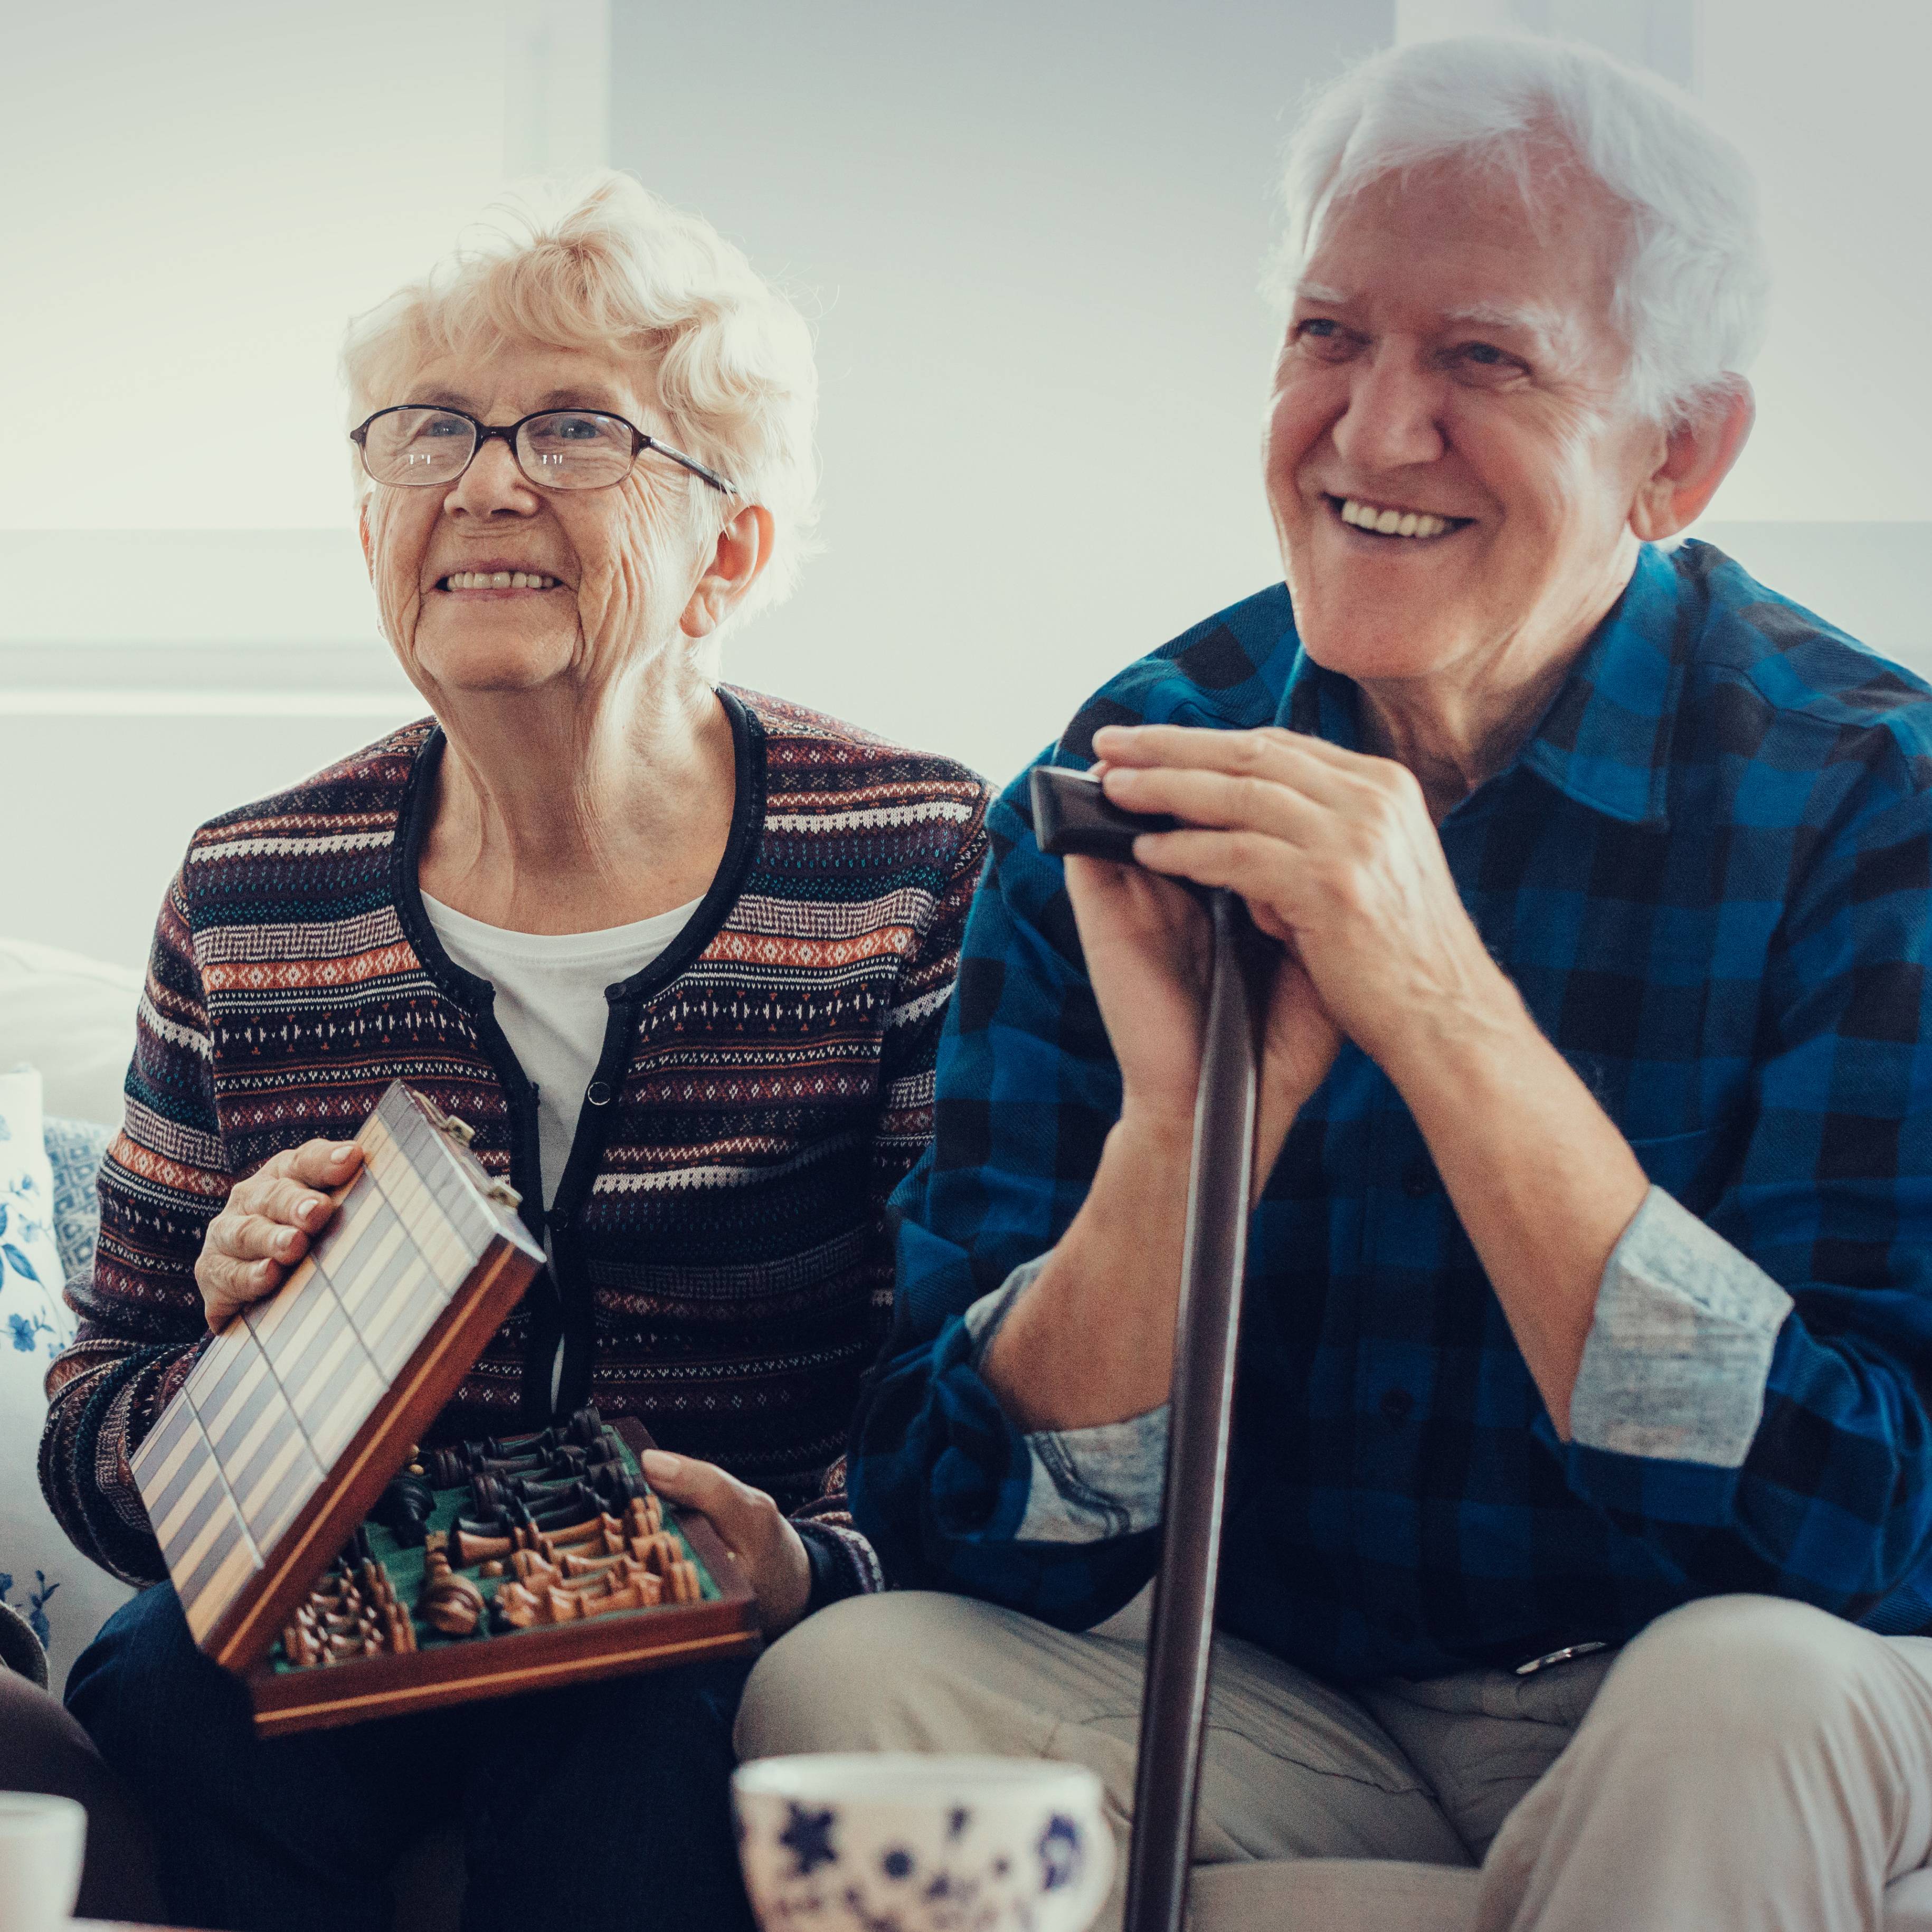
46 1225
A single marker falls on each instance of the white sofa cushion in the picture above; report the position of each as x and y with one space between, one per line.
63 1596
73 1018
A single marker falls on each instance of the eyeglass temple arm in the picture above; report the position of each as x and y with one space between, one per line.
696 468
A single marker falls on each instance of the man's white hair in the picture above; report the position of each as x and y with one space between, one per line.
1693 290
602 264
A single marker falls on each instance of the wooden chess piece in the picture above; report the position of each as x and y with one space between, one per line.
453 1604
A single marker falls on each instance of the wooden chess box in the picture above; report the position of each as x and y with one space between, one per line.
307 1406
497 1658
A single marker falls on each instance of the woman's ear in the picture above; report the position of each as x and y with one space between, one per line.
368 548
1697 456
744 548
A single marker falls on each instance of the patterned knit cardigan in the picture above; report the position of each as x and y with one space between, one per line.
721 1268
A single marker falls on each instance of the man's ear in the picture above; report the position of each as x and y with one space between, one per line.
1697 456
744 549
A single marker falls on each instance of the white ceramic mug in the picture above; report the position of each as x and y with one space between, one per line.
41 1841
849 1842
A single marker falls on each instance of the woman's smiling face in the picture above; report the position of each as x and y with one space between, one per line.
620 563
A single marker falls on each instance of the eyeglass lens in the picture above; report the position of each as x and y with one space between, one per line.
567 450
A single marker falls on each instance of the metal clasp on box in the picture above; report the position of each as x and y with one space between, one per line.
462 1134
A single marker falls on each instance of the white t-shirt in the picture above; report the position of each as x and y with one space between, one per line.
550 1003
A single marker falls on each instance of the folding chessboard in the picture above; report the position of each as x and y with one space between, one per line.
304 1405
491 1567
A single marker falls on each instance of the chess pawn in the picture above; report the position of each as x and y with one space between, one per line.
300 1647
518 1608
398 1630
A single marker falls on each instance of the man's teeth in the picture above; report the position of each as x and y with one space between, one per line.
498 580
1393 523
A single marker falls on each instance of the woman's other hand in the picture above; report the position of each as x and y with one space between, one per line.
769 1551
267 1223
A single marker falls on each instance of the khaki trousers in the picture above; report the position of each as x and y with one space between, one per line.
1743 1762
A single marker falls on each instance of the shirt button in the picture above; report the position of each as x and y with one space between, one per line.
598 1093
1418 1177
1396 1405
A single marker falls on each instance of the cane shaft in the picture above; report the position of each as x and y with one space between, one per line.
1174 1704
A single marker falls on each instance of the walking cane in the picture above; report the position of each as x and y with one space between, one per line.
1071 815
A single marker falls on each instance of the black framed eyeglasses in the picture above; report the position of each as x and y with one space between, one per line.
417 443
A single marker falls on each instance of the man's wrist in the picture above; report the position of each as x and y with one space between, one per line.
1087 1338
1148 1136
1463 1042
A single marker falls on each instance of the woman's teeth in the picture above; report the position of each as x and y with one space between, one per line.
1392 523
497 580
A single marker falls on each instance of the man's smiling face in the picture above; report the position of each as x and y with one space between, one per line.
1451 369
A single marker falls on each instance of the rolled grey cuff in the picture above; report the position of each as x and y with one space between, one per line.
1677 1358
1086 1484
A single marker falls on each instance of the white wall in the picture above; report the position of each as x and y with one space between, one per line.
1030 239
198 197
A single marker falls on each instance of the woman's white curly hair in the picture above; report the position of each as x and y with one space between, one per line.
601 263
1693 290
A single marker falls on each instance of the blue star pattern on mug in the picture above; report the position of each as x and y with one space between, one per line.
1061 1854
808 1838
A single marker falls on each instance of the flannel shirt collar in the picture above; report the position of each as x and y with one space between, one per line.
1605 740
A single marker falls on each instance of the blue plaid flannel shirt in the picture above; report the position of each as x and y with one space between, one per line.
1708 872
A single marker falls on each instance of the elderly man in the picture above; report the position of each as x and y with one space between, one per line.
1581 1505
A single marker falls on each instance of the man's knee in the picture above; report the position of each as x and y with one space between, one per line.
864 1674
1729 1674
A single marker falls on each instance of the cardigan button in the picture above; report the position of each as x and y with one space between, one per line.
598 1093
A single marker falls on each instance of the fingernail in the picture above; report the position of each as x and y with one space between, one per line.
310 1211
265 1270
286 1244
660 1463
339 1155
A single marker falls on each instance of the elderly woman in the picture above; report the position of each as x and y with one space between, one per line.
1581 1499
677 953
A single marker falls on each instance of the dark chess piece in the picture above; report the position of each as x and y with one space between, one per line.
617 1485
404 1509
